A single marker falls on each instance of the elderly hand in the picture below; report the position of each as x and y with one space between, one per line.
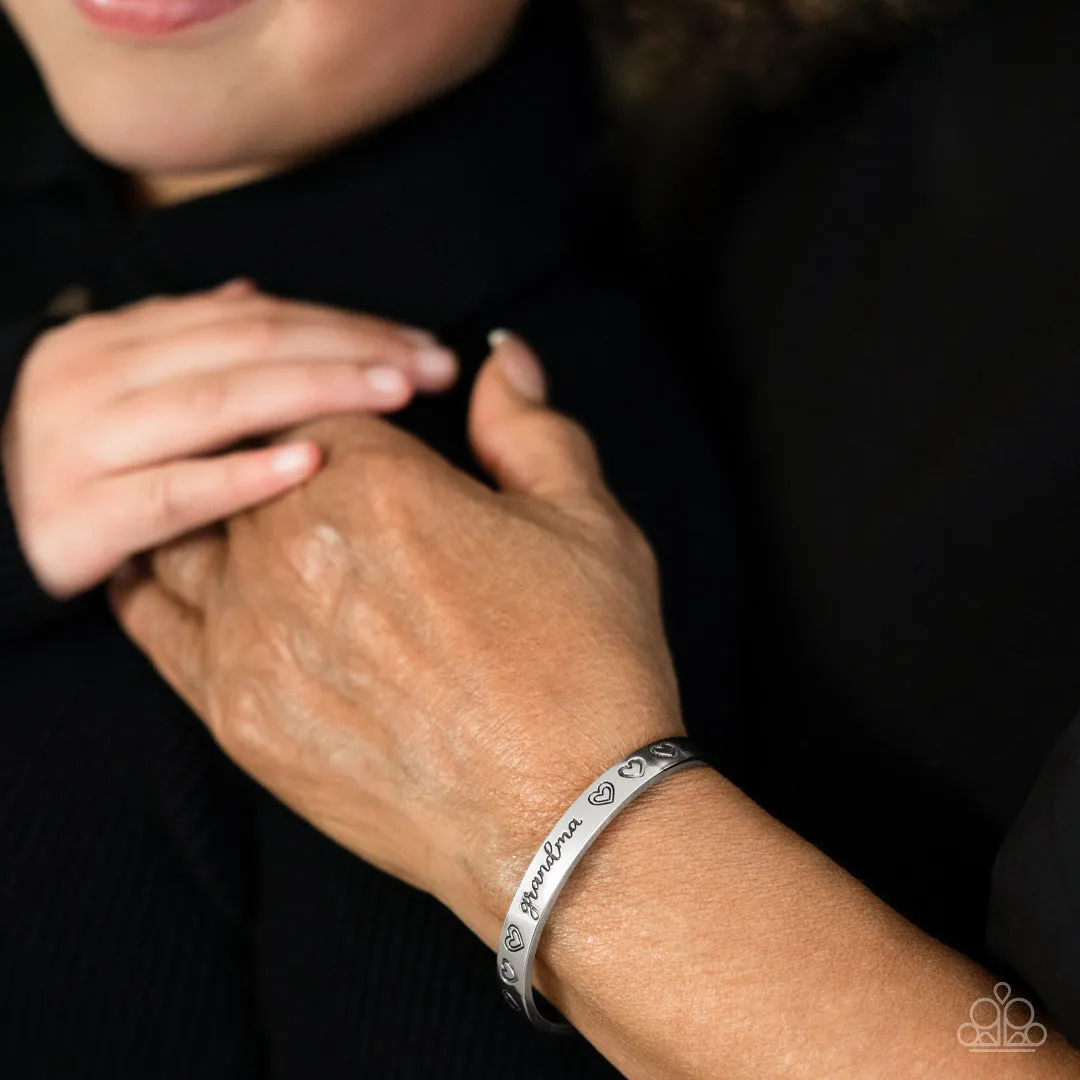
427 669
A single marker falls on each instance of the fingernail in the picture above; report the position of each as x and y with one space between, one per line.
436 363
519 366
385 380
292 459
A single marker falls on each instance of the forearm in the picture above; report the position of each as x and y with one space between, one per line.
427 732
700 938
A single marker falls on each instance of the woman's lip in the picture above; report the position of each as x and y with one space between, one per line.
154 17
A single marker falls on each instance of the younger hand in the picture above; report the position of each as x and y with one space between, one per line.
104 446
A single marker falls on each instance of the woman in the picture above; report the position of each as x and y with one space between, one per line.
896 294
424 163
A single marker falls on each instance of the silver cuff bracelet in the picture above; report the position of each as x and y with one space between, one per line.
558 855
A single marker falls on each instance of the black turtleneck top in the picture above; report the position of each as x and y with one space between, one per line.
160 915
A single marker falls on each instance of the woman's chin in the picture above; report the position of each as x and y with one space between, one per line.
153 141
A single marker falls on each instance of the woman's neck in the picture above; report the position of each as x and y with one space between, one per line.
151 191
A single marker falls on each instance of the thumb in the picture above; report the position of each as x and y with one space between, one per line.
527 447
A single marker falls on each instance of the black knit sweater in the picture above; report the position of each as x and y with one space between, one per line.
160 915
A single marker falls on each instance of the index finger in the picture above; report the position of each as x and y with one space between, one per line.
155 316
246 334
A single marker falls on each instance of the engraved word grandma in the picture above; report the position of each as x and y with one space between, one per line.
552 854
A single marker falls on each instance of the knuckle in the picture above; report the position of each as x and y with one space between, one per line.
617 528
318 553
567 436
238 717
547 426
575 436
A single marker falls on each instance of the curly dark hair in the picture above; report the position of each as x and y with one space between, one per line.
676 70
662 51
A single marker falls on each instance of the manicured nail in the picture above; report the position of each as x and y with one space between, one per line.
519 366
292 459
436 363
386 380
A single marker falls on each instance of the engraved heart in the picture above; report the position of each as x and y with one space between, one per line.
604 794
664 749
507 969
513 940
634 768
512 1000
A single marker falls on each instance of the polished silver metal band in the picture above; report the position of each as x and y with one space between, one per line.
574 834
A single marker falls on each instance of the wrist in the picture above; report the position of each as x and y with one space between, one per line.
566 844
495 865
611 897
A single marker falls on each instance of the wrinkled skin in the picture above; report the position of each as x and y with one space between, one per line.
425 668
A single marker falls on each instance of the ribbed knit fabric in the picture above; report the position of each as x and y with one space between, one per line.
161 916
